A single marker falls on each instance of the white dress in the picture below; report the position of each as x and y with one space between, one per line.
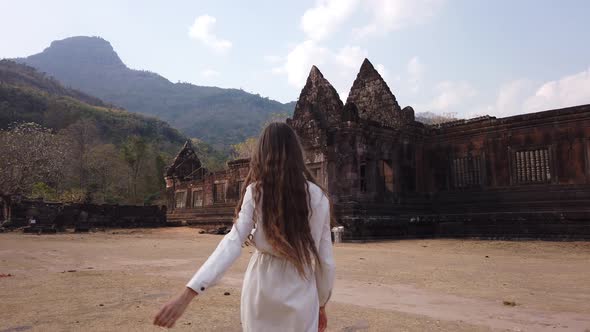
274 296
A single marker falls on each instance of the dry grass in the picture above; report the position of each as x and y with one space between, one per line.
118 279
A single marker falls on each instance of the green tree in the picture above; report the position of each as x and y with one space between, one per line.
244 149
161 161
43 191
134 153
211 158
276 117
82 135
107 173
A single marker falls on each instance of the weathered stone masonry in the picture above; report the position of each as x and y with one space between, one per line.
56 216
526 176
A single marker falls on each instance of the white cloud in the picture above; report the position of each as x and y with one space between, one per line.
510 93
567 91
326 16
523 96
201 30
450 95
390 15
299 61
510 98
341 66
209 73
415 72
351 56
324 19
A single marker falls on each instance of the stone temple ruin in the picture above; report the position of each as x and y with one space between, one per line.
525 176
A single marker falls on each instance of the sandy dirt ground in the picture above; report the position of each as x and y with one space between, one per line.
116 280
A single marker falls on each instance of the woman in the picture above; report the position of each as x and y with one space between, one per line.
285 214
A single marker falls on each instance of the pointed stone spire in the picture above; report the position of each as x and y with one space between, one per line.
318 101
187 157
367 67
373 98
315 74
187 145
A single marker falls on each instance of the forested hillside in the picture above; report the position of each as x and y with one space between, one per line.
61 144
217 116
29 96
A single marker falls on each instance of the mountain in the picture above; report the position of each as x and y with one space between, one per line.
215 115
27 95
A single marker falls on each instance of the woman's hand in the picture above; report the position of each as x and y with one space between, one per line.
323 320
172 310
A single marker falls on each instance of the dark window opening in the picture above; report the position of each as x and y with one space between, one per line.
466 172
180 198
531 166
363 177
409 179
219 192
198 198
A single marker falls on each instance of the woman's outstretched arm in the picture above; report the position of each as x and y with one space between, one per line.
172 310
324 275
217 264
229 248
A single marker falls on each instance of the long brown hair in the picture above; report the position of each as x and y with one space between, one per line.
280 176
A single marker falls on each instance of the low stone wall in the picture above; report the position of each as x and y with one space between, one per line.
499 226
59 216
208 217
548 213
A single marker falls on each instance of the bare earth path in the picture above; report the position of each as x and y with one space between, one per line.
119 279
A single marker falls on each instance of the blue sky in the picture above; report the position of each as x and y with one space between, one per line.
465 57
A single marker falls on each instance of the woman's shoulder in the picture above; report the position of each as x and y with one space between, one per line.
318 196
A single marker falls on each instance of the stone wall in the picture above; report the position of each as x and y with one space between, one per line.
59 216
526 176
555 143
206 199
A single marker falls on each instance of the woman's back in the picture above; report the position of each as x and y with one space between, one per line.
274 295
319 206
286 216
